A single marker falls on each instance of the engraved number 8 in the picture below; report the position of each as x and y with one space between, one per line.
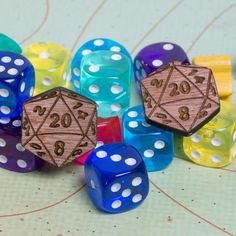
183 113
59 148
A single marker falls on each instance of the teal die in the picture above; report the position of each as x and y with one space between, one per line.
105 78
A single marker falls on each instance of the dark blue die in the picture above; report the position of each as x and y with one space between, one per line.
154 144
16 83
97 44
11 126
116 178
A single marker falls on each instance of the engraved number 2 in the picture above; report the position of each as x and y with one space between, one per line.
40 110
157 83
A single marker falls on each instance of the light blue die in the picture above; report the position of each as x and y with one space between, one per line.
97 44
105 79
154 144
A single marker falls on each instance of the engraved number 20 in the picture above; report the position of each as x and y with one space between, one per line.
65 120
184 88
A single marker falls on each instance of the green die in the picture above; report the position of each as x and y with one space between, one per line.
8 44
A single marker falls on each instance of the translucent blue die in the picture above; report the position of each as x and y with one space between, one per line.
116 178
16 83
154 144
105 78
92 45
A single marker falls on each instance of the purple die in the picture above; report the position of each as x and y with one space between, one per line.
11 125
154 56
13 156
16 83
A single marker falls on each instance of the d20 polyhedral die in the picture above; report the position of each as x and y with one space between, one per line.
180 98
59 125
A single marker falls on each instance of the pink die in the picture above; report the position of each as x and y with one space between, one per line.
108 131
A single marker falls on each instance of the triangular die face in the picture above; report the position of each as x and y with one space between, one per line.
207 111
27 130
60 120
78 97
148 102
164 119
60 146
156 83
43 97
197 75
37 111
179 88
36 147
83 147
184 113
92 130
213 94
83 112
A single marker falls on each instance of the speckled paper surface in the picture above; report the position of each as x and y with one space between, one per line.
185 199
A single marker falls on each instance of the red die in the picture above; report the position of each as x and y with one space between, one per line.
108 131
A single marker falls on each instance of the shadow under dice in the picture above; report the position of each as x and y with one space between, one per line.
16 83
97 44
105 78
214 145
13 156
59 125
180 98
52 65
116 178
108 131
154 144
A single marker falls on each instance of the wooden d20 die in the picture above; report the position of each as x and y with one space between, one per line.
180 98
59 125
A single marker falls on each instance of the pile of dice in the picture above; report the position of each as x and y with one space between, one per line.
88 118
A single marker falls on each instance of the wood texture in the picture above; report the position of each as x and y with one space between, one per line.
180 98
59 126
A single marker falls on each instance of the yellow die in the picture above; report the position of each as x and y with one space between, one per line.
221 67
214 145
52 65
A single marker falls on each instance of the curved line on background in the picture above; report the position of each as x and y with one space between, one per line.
46 207
98 8
189 210
229 170
40 25
205 29
156 24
